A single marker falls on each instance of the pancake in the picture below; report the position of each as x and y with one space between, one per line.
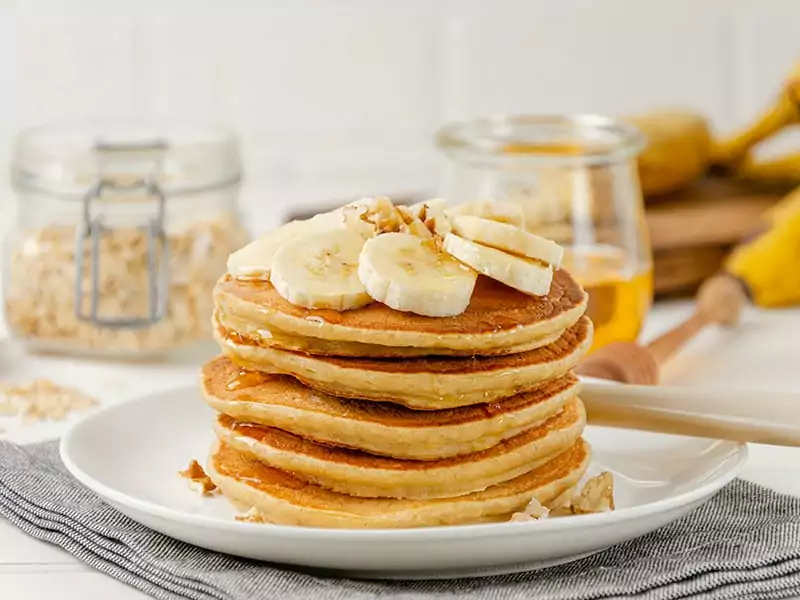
280 497
379 428
360 474
419 383
272 338
498 317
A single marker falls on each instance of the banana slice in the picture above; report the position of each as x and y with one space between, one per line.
321 270
409 274
503 212
254 261
525 275
509 238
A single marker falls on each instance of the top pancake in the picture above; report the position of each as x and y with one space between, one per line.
497 317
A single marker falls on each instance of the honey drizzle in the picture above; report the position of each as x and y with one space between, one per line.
245 379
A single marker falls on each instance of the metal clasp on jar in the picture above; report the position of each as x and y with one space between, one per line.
93 228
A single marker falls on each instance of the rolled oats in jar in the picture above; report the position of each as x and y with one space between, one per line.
121 233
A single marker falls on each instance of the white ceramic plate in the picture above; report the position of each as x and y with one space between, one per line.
130 454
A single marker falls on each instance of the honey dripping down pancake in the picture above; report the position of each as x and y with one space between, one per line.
420 383
380 428
498 320
280 497
360 474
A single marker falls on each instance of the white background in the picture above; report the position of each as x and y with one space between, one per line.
340 97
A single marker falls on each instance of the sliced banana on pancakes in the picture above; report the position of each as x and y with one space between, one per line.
254 261
502 212
408 273
422 258
523 274
321 271
509 238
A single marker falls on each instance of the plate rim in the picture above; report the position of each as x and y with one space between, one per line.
440 532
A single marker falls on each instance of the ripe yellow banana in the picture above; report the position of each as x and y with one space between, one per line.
784 111
768 264
678 149
785 169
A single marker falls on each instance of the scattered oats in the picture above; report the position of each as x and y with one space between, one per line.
251 516
199 481
39 290
42 400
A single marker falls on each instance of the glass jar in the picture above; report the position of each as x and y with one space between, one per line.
121 232
576 179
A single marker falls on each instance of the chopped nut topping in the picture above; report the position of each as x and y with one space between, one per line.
597 495
198 479
533 511
42 400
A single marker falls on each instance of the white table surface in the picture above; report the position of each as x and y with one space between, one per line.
761 355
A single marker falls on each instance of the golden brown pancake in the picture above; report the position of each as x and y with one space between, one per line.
280 497
273 338
379 428
498 318
360 474
419 383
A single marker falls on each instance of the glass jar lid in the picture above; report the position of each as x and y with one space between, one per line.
66 159
576 140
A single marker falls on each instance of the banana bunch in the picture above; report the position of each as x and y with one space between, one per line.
423 258
734 154
768 264
678 149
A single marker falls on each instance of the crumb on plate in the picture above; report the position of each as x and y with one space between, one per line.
198 479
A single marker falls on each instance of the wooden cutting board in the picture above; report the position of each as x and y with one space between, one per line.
692 231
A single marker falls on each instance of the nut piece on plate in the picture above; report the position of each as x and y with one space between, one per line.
198 479
532 512
597 495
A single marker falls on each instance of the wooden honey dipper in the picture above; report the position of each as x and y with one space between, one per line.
732 415
719 301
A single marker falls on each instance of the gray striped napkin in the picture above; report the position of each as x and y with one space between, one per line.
744 543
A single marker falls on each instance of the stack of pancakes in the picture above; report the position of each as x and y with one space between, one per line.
377 418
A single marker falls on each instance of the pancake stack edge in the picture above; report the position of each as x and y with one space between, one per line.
373 418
